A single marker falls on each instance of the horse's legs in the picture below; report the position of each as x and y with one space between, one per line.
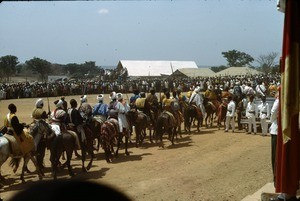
120 136
26 160
32 157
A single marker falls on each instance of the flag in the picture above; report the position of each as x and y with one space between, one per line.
288 140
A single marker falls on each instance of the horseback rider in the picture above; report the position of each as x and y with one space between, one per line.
211 96
38 112
112 112
15 128
136 95
122 107
197 100
59 121
100 110
85 110
76 120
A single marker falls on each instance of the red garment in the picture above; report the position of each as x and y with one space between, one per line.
288 140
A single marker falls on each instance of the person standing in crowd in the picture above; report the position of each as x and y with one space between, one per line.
100 110
230 114
260 89
273 131
264 113
250 114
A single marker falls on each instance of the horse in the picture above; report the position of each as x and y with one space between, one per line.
58 144
210 110
86 146
166 123
141 122
10 148
221 114
109 136
190 114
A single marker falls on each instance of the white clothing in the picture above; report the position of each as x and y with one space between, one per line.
198 100
264 110
250 114
264 113
261 90
274 112
122 120
231 109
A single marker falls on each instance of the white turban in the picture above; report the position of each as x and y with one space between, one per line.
59 104
113 95
100 97
119 96
39 102
83 99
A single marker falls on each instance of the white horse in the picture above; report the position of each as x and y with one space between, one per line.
6 152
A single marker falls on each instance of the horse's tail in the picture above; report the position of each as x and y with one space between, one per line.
14 163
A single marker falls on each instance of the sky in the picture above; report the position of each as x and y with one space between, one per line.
109 31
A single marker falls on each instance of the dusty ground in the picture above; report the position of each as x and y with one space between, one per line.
210 165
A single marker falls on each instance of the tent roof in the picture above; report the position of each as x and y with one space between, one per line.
154 68
238 71
197 72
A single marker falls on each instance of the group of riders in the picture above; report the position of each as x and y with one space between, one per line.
74 120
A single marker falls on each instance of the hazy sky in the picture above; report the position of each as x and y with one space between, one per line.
109 31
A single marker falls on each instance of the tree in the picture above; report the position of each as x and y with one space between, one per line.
8 66
236 58
40 66
267 62
218 68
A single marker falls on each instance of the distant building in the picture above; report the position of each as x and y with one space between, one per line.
56 78
153 68
192 73
233 71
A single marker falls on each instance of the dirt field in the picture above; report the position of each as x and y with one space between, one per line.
210 165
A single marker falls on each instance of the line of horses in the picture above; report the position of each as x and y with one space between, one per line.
105 134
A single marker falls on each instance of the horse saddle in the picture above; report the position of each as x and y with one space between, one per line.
14 146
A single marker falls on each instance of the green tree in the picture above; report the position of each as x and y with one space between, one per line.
41 66
8 65
236 58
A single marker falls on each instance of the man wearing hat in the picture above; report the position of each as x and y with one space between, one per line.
59 120
85 109
112 112
122 108
100 110
38 112
197 100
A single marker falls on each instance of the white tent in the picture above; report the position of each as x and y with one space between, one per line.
153 68
238 71
194 72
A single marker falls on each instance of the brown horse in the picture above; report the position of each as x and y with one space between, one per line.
166 123
109 136
210 110
86 146
190 114
141 122
221 114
